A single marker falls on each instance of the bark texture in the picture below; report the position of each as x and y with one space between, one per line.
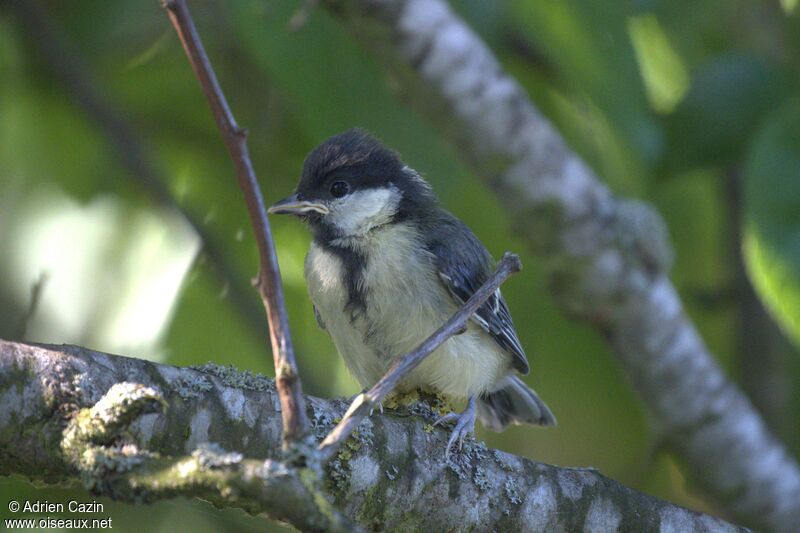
139 431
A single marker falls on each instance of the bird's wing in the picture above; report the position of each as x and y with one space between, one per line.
463 267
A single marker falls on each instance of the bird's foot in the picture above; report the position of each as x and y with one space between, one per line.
464 426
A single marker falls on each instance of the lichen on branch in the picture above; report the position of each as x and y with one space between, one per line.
138 432
109 462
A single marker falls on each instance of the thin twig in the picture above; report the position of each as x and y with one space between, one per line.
268 283
365 402
36 295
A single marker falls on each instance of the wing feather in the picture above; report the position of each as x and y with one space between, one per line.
464 265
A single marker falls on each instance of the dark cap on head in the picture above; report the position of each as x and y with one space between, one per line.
354 155
363 162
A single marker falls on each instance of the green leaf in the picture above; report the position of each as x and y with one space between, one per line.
589 44
772 203
663 70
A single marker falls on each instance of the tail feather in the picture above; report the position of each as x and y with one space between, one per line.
513 402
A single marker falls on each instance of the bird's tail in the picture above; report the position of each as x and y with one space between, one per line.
513 402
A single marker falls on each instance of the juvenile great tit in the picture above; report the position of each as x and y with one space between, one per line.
388 266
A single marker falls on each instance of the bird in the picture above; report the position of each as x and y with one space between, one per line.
388 265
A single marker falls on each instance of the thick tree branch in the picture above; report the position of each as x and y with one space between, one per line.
60 402
608 257
295 422
93 443
366 402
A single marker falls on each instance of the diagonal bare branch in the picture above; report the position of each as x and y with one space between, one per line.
295 420
365 402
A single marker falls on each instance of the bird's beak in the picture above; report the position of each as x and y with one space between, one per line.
294 206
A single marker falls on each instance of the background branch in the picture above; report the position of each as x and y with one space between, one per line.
295 421
607 258
389 474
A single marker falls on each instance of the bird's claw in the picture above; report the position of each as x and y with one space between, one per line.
380 406
464 426
449 417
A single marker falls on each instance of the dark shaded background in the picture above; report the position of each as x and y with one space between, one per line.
111 170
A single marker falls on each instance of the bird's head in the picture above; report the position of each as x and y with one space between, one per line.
352 184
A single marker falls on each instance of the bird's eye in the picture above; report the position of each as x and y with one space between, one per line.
339 189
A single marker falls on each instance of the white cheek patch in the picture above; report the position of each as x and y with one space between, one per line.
357 213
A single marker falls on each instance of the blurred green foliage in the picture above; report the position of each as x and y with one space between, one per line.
772 238
684 104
